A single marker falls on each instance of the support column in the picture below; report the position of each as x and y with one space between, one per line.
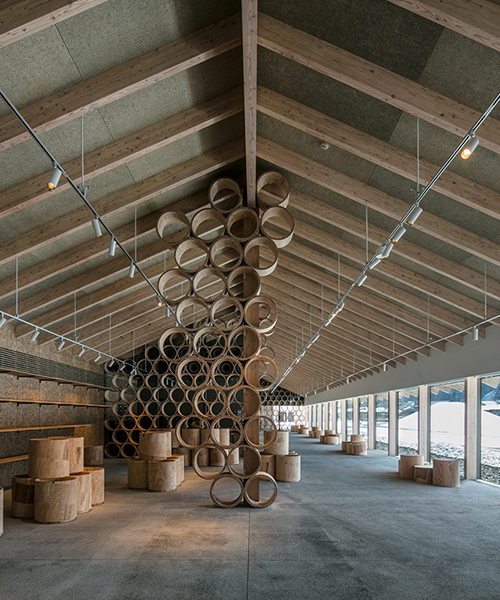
325 416
372 422
393 424
472 469
343 420
424 421
355 415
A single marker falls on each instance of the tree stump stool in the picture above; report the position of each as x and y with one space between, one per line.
357 448
446 472
422 474
406 464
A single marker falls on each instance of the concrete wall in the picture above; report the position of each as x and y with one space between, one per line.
30 415
471 359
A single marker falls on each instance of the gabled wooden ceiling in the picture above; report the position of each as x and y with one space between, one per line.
173 96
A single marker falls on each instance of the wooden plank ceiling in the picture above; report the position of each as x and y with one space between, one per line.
174 95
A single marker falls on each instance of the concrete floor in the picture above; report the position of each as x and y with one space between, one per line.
349 530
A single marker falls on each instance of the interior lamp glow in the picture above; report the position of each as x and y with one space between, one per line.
469 148
54 178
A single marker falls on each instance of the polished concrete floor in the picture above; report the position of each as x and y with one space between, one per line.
349 530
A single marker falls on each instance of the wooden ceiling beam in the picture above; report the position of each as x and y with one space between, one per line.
137 193
22 18
372 307
249 11
110 268
100 341
93 333
143 335
128 148
478 20
401 275
123 80
356 343
369 78
401 303
374 320
377 200
412 252
97 313
106 301
371 342
379 349
278 284
88 251
376 151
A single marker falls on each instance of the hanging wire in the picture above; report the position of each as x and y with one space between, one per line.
418 156
338 276
366 232
485 290
74 316
83 160
135 233
17 286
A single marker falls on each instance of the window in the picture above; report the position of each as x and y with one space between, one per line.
408 421
338 417
490 429
448 421
349 417
382 422
363 416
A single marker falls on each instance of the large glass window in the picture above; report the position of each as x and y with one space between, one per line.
408 421
363 416
448 421
382 422
490 429
349 417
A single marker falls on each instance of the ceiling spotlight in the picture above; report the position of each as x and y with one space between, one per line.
111 363
362 279
398 235
131 270
97 227
98 357
385 366
122 366
2 320
374 262
387 249
475 334
347 380
159 301
112 247
469 148
54 178
82 350
60 344
413 216
34 335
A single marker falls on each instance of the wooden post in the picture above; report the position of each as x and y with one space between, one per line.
249 13
393 424
343 420
372 421
472 468
250 459
424 421
355 415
